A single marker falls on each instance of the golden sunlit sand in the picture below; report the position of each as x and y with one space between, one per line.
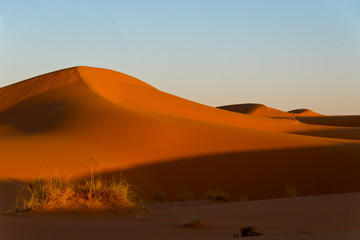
82 121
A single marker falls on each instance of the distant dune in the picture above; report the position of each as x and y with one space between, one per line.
256 110
265 111
68 119
305 112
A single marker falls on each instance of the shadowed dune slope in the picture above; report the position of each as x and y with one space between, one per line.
257 174
305 112
68 119
256 110
261 110
340 121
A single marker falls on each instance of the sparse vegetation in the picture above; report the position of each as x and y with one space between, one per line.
140 210
184 195
290 192
160 196
217 195
244 198
247 232
61 194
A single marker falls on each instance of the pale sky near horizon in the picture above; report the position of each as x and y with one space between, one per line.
284 54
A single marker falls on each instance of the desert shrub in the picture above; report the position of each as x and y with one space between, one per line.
244 198
184 195
247 232
290 192
160 196
217 195
59 193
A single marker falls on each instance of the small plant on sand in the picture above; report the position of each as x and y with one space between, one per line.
244 198
61 194
184 195
217 195
290 192
160 196
196 223
247 232
140 211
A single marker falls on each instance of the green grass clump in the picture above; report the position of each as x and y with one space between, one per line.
290 192
243 198
217 195
60 193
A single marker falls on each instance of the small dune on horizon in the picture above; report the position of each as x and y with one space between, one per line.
66 120
265 111
305 112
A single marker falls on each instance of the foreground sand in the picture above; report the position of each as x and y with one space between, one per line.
310 218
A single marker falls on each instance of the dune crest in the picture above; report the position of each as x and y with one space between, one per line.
15 93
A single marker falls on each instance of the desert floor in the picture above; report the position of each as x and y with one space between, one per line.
333 216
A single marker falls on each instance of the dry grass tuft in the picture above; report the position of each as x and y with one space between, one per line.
247 232
160 197
184 195
61 194
217 195
290 192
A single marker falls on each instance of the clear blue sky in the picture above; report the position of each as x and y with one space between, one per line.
286 54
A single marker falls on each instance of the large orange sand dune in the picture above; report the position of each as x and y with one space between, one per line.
65 119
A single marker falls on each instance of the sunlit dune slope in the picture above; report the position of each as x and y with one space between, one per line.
72 118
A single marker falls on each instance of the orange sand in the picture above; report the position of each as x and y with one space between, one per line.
305 112
329 217
265 111
64 119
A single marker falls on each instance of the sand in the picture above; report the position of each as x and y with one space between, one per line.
261 110
305 112
61 120
310 218
74 119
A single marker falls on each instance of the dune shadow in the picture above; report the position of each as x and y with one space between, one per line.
254 175
34 119
339 121
352 133
8 192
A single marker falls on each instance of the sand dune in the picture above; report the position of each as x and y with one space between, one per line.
304 112
65 119
341 127
256 110
261 110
